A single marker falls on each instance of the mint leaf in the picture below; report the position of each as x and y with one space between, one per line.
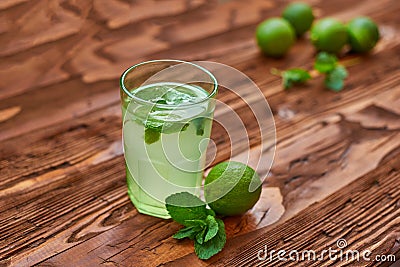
184 127
325 62
340 71
183 207
151 136
334 79
208 249
165 126
199 124
210 212
334 72
294 76
207 232
212 227
200 223
200 235
160 120
186 232
209 229
152 123
154 128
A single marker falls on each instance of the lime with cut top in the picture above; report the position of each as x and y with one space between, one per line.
363 34
275 36
329 35
300 16
231 188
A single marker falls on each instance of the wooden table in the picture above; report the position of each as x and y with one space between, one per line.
63 198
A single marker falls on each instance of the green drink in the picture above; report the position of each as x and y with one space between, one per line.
166 129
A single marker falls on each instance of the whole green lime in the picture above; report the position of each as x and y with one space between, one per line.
275 36
300 16
329 35
231 188
363 34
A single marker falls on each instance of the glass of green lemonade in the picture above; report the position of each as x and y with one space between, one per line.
167 108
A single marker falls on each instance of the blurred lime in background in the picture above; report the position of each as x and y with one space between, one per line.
363 34
275 36
329 35
300 16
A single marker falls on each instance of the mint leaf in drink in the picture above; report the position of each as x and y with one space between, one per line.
166 96
325 62
154 124
211 247
151 136
164 121
334 80
184 127
294 76
199 124
184 207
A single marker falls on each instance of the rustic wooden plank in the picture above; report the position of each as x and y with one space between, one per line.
84 44
102 205
71 143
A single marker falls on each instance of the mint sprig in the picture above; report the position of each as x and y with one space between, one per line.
190 232
186 209
326 64
335 73
212 226
294 76
207 231
291 77
334 80
209 248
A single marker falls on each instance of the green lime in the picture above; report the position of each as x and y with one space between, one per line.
300 16
329 35
231 188
275 36
363 34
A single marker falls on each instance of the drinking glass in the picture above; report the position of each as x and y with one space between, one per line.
167 108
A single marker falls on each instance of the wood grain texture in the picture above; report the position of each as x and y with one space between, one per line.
361 213
63 196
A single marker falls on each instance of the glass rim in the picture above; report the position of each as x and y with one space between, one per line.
137 99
